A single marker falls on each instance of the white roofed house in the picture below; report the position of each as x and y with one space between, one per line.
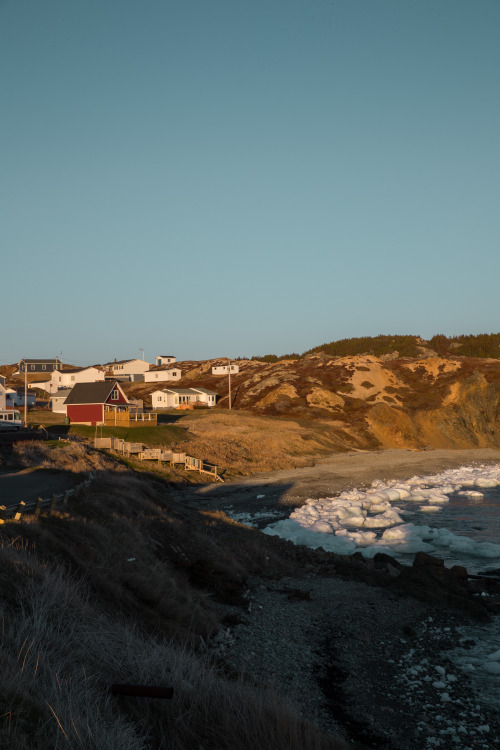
127 369
45 385
182 398
165 359
206 397
67 378
162 374
225 369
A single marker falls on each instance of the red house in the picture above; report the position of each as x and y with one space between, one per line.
96 403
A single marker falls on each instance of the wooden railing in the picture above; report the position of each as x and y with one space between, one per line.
157 454
117 418
37 506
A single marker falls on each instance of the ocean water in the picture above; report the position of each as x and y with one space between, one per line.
454 515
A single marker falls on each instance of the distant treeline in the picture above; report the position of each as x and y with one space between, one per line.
480 345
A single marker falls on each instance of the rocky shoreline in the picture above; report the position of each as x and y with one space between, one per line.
364 663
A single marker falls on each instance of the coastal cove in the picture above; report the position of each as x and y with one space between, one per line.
395 671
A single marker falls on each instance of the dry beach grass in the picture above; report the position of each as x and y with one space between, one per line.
121 588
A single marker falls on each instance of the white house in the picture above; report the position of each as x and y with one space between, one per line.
3 392
57 401
225 369
165 359
206 397
162 375
68 378
169 398
127 369
45 385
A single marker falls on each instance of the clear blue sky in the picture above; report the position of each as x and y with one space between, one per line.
232 178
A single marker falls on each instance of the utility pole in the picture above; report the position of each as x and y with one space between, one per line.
142 350
229 377
25 394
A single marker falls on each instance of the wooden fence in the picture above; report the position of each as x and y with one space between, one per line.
157 454
37 506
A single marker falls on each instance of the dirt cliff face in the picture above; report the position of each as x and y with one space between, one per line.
370 402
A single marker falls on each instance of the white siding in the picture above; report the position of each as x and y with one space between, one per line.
69 379
131 367
224 369
58 405
162 376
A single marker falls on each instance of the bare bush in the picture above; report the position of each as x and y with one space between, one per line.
71 456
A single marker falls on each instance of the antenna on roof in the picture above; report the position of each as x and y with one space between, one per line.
142 350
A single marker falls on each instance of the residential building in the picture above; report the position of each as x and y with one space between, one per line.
45 385
165 359
127 369
225 369
162 374
176 398
39 365
16 397
67 378
88 402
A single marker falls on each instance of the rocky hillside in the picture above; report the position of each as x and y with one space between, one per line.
388 401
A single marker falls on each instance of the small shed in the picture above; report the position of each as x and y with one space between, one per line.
57 400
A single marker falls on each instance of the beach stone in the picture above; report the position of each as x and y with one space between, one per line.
423 559
429 580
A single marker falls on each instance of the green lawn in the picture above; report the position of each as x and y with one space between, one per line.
161 435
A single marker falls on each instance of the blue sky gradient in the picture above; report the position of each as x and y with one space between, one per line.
234 178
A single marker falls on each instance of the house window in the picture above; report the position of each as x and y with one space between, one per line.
32 367
44 367
114 395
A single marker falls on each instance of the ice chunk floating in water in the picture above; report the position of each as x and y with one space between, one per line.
373 520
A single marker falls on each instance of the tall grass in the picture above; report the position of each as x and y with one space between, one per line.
61 648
